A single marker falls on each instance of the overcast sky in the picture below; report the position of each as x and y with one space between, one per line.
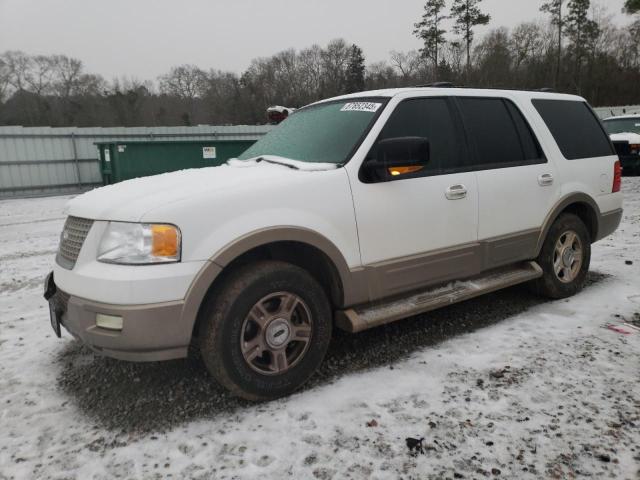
144 38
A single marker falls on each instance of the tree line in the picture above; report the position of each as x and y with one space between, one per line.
574 48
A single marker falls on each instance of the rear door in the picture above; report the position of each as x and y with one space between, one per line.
517 185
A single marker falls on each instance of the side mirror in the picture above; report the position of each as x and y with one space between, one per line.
399 156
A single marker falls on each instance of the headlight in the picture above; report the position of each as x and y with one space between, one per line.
139 244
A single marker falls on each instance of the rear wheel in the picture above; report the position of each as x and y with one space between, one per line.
265 330
564 258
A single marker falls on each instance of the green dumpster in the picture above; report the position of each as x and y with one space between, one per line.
121 161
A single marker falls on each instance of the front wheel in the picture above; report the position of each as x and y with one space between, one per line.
265 330
564 258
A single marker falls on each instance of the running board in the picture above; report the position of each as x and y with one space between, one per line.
362 318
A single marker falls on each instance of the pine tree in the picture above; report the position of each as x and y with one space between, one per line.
554 8
429 31
467 15
355 70
582 31
632 6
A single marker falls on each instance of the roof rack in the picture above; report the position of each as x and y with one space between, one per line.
451 85
437 85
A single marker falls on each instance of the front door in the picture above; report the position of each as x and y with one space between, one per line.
419 228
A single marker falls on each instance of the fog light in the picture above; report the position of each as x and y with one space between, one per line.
110 322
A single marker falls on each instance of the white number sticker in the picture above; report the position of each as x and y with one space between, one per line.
361 107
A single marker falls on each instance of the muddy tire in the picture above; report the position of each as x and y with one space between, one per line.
265 330
564 258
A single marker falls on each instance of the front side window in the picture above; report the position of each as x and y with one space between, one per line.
622 125
499 133
325 133
432 119
575 128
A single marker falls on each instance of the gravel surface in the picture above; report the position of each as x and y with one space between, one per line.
142 397
504 386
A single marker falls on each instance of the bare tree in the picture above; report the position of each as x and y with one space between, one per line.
185 81
18 64
554 8
67 73
494 59
39 77
454 56
310 64
527 43
5 79
407 63
335 59
381 75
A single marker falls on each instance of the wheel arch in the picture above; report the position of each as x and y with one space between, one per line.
302 247
581 205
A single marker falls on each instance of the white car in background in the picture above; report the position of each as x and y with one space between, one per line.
625 135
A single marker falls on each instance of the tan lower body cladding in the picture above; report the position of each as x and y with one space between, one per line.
392 278
358 319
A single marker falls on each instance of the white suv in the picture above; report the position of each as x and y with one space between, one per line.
355 212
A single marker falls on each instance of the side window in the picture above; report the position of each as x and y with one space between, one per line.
575 128
430 118
530 145
499 132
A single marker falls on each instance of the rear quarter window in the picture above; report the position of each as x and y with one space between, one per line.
575 128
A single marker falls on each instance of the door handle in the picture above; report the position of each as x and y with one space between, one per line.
456 192
545 180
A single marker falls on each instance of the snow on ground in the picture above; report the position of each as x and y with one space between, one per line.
507 386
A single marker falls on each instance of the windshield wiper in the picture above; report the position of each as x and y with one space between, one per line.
275 162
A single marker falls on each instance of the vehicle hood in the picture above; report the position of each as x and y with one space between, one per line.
632 138
128 201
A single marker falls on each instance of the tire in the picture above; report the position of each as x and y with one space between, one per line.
265 330
564 274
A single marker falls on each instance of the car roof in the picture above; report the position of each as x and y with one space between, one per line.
623 117
457 91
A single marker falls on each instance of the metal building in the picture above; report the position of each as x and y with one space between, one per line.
53 161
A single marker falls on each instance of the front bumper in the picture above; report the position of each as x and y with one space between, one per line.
150 332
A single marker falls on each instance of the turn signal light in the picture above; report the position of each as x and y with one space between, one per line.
395 171
617 177
164 241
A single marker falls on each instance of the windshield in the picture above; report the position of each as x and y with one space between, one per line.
622 125
324 133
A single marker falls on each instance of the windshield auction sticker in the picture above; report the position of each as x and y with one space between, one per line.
361 107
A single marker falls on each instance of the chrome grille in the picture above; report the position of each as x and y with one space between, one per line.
73 235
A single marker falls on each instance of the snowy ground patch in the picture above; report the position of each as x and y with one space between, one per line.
507 385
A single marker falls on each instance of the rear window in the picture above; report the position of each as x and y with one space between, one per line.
575 128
